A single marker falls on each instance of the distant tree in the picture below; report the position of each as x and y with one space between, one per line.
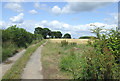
67 35
58 34
53 34
38 30
46 32
87 37
43 31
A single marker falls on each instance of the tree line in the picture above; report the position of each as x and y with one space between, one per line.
47 33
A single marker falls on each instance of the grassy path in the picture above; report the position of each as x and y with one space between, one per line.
16 70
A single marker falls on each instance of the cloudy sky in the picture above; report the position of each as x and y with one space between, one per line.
68 17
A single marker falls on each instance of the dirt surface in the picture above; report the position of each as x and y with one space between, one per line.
33 69
7 64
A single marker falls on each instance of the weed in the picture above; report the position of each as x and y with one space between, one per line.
64 43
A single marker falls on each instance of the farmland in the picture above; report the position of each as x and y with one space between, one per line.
78 41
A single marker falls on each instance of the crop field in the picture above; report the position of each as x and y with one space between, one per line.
78 41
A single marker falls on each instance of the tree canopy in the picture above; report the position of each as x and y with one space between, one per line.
47 32
67 35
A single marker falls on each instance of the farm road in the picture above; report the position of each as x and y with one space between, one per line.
33 69
5 67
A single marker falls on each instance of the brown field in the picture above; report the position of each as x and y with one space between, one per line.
78 41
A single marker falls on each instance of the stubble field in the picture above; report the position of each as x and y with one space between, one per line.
78 41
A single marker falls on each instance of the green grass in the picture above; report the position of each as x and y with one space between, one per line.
17 69
53 53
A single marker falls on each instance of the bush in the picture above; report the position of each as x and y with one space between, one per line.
8 50
64 43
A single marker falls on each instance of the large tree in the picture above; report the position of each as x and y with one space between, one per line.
38 30
56 34
67 35
46 32
43 31
53 34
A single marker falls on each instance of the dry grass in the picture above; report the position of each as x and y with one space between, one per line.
51 55
78 41
8 62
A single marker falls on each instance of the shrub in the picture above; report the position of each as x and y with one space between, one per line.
8 50
64 43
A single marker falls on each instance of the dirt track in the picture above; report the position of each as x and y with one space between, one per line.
33 69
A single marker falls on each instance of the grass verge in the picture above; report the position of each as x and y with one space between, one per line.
52 54
17 69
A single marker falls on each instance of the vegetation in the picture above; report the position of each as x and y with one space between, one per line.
17 69
56 34
43 31
46 32
64 43
87 37
97 31
51 55
15 38
67 35
100 59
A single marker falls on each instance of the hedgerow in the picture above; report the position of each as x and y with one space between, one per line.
14 38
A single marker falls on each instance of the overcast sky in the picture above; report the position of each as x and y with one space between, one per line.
68 17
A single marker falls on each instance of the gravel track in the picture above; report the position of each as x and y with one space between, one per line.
33 69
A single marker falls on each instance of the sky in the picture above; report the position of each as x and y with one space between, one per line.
68 17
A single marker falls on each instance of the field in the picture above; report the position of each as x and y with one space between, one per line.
53 53
76 59
78 41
